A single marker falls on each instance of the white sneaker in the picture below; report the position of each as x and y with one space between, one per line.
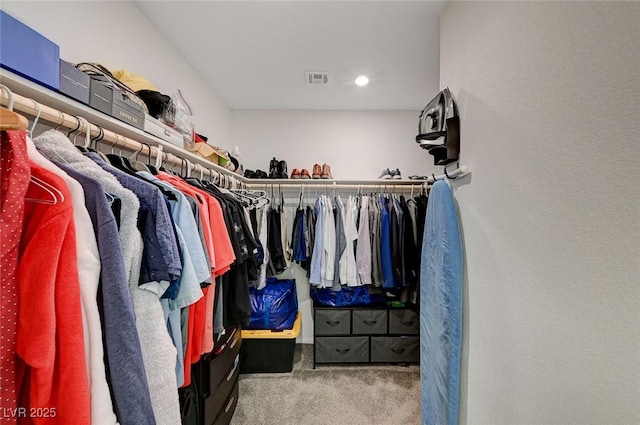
395 174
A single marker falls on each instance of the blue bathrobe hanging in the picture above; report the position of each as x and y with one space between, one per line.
441 309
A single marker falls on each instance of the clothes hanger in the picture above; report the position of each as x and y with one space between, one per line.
164 158
173 163
139 165
187 167
120 162
95 141
35 120
281 197
257 198
158 160
224 184
109 197
244 197
60 120
98 138
56 196
10 120
182 167
152 168
201 168
75 129
300 197
113 146
75 133
87 133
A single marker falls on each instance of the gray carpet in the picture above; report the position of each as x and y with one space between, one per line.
330 395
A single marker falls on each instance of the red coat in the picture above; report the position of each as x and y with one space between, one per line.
52 373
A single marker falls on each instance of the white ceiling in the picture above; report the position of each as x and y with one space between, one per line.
254 53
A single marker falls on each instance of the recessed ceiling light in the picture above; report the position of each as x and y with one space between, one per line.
362 81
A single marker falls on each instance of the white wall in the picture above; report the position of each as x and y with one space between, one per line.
549 99
356 144
117 35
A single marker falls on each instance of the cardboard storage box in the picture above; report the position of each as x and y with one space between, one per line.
163 131
126 110
269 351
73 82
112 102
211 153
28 53
101 96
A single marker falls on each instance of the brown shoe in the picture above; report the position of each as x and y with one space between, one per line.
295 174
304 174
326 172
317 171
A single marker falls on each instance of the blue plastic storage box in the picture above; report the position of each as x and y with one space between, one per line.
274 307
346 297
28 53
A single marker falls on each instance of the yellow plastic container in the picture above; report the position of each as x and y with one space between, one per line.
286 334
269 351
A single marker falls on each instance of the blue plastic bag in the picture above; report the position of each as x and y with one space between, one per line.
346 297
275 306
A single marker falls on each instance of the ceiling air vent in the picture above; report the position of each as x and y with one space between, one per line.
316 78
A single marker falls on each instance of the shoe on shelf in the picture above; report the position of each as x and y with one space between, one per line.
317 171
273 168
282 170
385 174
261 174
304 174
415 177
326 172
249 174
295 174
273 163
395 174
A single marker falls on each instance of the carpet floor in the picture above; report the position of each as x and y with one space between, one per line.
330 395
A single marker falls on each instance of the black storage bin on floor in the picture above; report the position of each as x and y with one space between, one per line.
190 405
214 383
267 356
268 351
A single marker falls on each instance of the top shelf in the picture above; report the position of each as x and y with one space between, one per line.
30 90
24 87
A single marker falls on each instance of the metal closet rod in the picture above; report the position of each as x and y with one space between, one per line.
71 122
381 187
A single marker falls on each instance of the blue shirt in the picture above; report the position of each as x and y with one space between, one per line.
388 281
160 257
315 276
185 220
